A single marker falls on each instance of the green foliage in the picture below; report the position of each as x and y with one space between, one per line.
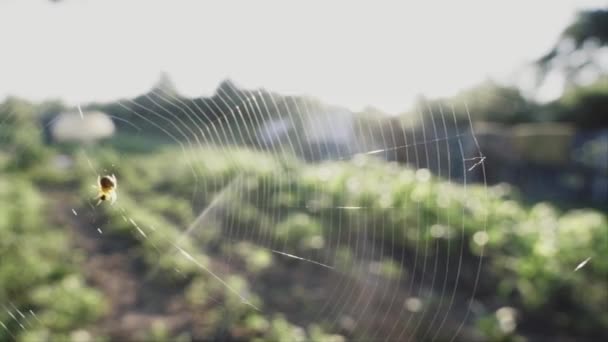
585 106
499 327
67 304
530 252
490 101
577 47
588 25
300 231
38 270
256 259
19 127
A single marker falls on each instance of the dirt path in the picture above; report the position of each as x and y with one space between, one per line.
112 266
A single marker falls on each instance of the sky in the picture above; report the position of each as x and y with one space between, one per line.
353 54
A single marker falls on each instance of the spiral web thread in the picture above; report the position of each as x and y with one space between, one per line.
424 301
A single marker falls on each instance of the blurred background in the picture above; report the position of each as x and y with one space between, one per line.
304 172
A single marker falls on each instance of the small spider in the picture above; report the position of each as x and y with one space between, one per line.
106 189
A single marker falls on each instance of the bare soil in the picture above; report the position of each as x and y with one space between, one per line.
112 266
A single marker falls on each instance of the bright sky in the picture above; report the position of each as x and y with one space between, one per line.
381 54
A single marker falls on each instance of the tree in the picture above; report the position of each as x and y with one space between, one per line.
165 85
488 101
578 48
585 106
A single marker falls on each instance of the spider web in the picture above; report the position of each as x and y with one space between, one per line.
426 300
341 275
